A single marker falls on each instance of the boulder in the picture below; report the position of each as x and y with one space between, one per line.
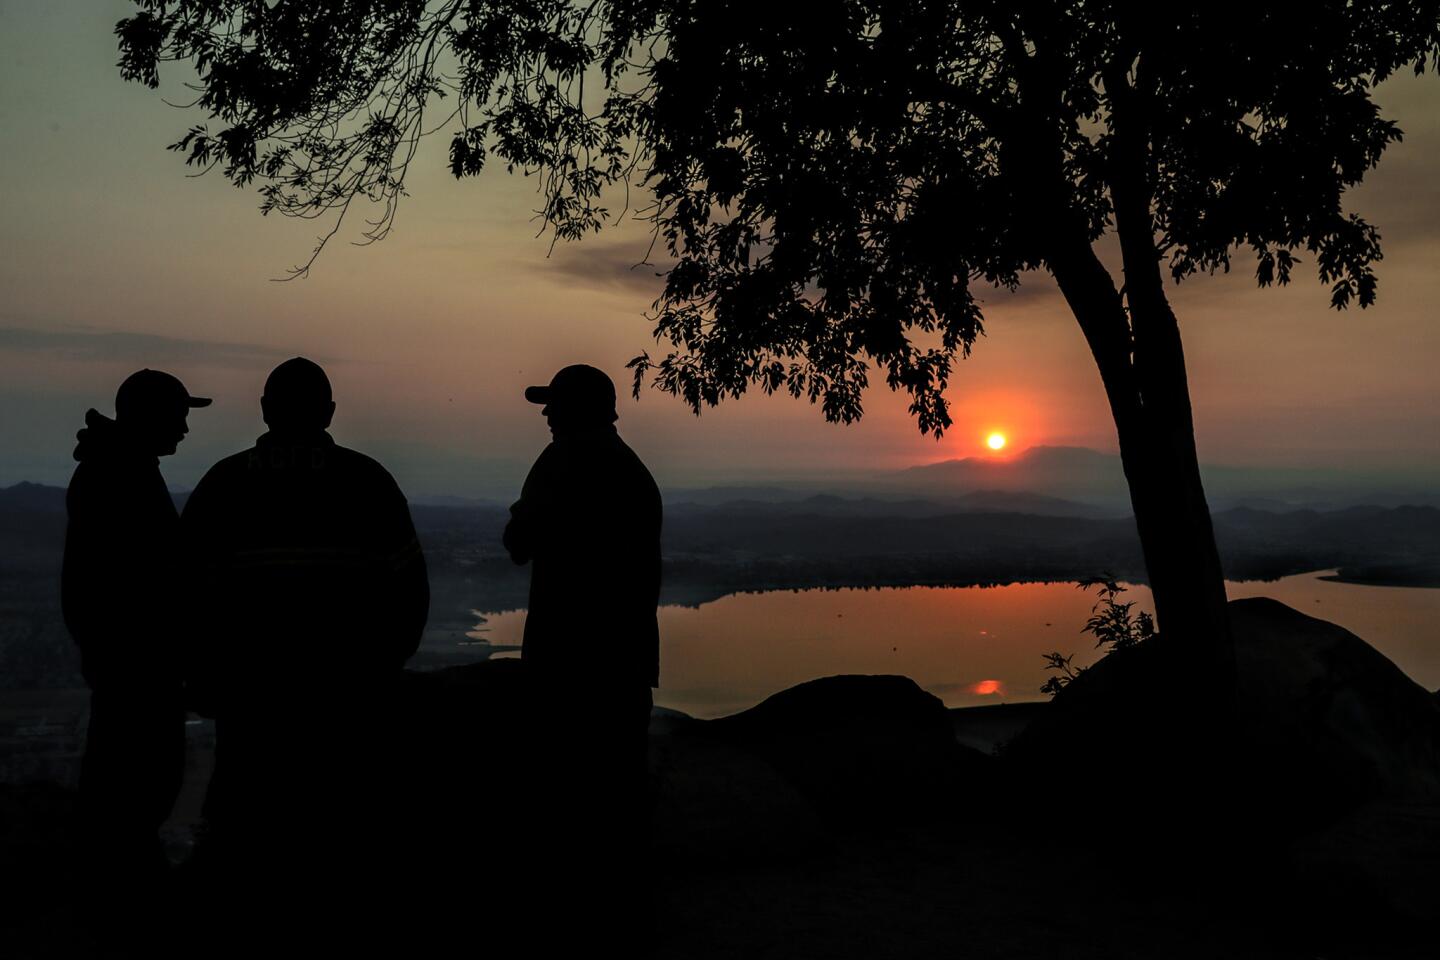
1329 757
769 784
1328 712
1325 723
715 803
860 749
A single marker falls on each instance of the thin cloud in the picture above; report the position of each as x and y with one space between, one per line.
621 266
613 266
144 348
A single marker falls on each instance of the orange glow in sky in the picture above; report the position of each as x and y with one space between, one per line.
431 337
987 687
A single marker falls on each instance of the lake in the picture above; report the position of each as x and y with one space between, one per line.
966 645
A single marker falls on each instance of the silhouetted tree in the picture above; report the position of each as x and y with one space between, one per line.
833 178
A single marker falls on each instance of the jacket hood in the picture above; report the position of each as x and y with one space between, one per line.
98 439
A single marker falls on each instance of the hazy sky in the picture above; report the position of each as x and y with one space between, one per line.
113 259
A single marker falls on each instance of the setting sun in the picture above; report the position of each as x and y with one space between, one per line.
996 441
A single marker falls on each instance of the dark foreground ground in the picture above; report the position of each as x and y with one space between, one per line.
1136 815
745 867
958 890
942 890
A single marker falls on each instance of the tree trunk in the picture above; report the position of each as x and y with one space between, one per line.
1146 385
1170 508
1142 366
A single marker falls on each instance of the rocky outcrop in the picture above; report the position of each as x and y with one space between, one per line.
771 783
1332 757
860 747
1326 723
1322 789
1330 712
834 755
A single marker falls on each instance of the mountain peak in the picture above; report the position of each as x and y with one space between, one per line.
1049 471
27 496
1030 455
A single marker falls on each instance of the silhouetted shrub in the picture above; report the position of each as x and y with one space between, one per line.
1112 623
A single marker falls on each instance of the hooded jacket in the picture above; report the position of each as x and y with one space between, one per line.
121 588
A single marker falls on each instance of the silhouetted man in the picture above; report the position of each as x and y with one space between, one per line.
316 594
121 592
588 522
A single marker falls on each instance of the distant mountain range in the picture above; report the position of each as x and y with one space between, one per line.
1062 473
726 540
1096 479
26 497
1064 481
780 535
1044 481
762 501
1041 480
1048 512
32 524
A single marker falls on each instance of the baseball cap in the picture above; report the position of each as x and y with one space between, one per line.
150 390
576 387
